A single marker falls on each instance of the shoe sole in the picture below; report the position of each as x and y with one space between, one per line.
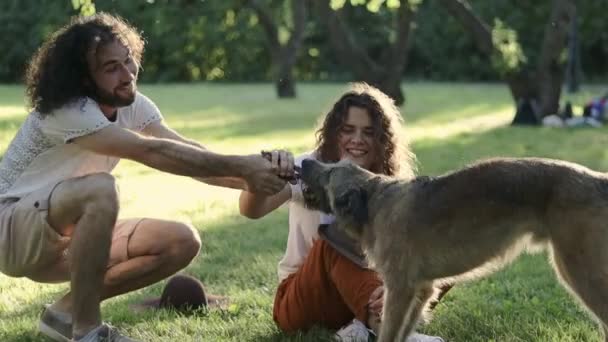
51 333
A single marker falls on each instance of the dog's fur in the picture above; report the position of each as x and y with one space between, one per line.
468 223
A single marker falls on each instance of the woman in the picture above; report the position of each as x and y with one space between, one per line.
318 284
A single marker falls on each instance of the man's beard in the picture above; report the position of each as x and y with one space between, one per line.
111 99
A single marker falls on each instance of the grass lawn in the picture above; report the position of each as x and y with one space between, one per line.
450 125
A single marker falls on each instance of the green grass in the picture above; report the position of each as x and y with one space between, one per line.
450 125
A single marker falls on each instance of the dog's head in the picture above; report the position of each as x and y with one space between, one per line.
337 189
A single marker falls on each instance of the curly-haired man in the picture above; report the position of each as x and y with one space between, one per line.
58 202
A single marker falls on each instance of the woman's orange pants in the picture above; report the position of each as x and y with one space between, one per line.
328 290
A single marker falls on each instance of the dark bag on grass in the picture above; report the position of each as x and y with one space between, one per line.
342 243
527 113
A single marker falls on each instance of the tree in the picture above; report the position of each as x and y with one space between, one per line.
384 70
283 54
541 84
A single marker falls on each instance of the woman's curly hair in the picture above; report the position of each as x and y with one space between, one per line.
57 72
394 157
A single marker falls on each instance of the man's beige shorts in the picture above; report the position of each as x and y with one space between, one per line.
28 243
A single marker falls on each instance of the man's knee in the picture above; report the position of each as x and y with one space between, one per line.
94 193
101 189
94 196
187 242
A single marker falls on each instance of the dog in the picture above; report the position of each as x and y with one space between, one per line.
468 223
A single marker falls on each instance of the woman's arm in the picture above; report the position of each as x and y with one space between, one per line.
255 206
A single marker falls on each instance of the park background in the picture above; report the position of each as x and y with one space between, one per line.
244 75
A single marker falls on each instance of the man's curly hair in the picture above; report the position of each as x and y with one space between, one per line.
393 156
57 73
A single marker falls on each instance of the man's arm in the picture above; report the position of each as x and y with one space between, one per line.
183 159
281 161
159 129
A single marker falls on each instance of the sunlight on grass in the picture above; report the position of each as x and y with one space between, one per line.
10 112
426 129
216 119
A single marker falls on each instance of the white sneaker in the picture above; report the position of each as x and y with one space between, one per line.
416 337
356 331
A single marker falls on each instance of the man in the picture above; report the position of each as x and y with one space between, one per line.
59 204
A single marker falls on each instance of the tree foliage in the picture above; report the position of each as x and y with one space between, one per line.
197 40
85 7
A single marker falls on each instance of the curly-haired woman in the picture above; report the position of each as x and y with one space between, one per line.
321 281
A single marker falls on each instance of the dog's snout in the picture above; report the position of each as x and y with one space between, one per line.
307 167
306 163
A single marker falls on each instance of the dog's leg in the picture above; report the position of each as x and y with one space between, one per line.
586 274
398 303
423 293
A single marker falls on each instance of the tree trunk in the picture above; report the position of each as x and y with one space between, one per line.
551 69
398 59
573 68
284 57
285 84
523 85
541 85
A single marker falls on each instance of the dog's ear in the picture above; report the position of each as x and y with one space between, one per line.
352 203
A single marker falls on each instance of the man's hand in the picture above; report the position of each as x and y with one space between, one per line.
262 176
283 162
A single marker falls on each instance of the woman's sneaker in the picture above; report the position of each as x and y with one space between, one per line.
355 331
104 333
416 337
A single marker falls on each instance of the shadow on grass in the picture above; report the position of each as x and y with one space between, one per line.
523 302
315 334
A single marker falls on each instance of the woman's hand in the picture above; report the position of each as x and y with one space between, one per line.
376 302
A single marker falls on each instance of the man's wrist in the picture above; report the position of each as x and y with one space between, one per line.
242 166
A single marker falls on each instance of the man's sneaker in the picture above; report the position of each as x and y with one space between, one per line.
104 333
55 325
356 331
416 337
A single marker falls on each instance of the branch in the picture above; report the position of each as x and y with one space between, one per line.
347 50
272 32
298 9
461 10
400 48
551 65
556 33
